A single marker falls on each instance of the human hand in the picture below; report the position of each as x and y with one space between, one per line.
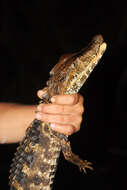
64 114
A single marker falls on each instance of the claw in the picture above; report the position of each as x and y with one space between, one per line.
71 157
83 165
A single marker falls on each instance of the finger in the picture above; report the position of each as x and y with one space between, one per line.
62 119
66 99
65 129
40 93
60 109
50 118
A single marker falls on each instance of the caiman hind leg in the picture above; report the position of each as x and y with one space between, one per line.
71 157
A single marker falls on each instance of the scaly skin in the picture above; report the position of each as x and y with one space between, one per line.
35 161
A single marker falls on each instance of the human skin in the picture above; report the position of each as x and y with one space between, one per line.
64 116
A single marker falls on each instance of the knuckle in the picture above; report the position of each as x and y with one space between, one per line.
79 119
42 117
81 98
43 107
75 98
82 109
79 109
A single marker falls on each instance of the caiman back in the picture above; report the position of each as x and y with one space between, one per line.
35 162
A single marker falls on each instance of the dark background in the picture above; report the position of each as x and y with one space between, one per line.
33 35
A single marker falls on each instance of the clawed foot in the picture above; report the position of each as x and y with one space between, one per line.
84 164
71 157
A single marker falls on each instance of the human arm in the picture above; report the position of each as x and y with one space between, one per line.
14 120
65 113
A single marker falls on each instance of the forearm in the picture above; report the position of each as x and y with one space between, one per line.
65 115
14 119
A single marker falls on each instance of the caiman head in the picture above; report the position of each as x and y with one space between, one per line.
72 70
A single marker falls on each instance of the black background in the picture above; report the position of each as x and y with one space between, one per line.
33 35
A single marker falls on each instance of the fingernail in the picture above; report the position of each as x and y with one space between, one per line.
52 99
39 108
38 116
52 125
